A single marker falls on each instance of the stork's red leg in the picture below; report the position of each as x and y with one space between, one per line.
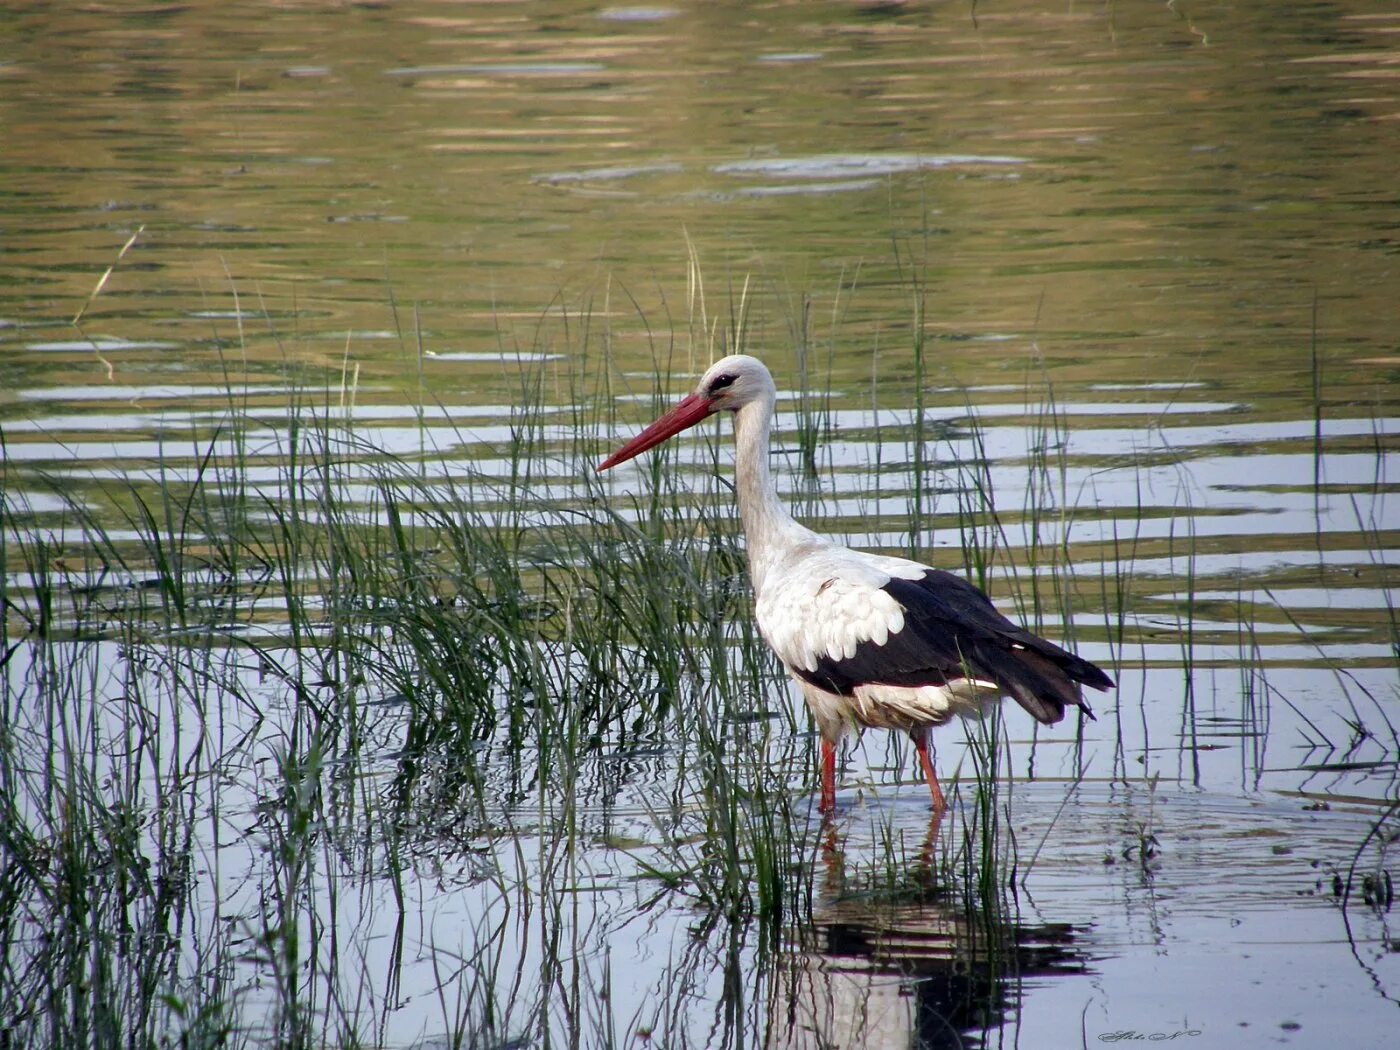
828 760
921 745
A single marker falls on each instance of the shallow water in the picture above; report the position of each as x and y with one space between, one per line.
1104 296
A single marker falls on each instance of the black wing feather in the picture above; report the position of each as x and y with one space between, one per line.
951 630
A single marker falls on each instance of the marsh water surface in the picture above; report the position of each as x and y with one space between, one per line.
344 704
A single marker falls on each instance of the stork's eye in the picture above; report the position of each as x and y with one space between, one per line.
720 382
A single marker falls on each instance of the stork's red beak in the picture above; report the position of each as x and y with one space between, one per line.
689 412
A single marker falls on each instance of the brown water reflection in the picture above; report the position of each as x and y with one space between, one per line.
913 966
1147 254
1190 181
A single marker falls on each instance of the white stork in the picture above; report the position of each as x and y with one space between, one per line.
876 641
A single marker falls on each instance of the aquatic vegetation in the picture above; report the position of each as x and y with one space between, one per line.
318 691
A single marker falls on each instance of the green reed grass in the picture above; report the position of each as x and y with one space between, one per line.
397 660
516 636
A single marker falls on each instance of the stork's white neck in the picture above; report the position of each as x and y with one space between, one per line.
768 526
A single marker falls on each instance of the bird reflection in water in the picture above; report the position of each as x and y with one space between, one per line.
917 965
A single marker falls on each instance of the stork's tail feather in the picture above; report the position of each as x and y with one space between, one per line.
1046 680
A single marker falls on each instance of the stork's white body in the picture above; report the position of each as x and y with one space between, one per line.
823 603
871 640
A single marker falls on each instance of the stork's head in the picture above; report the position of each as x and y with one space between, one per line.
727 386
733 382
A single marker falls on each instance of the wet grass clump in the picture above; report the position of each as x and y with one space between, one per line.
290 647
306 700
337 660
